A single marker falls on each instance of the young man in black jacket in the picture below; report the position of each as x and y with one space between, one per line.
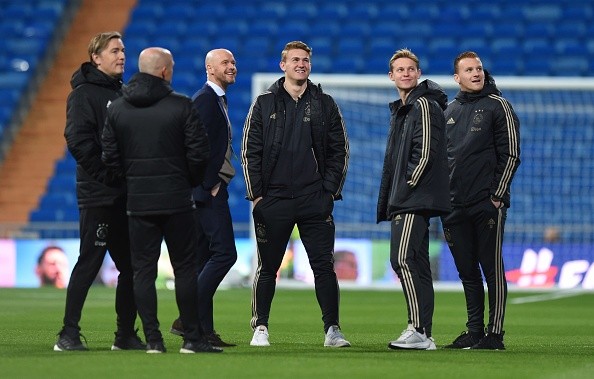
154 139
483 153
294 155
414 188
103 220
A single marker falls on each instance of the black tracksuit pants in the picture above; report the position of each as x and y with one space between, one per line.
475 236
146 235
102 229
274 220
216 251
409 256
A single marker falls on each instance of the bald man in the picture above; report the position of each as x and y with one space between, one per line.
216 242
154 139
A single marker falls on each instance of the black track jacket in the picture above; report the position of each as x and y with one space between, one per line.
415 172
263 136
154 138
483 145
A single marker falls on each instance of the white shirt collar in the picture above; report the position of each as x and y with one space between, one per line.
218 90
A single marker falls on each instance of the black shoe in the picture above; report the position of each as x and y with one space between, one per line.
215 340
155 347
68 343
128 342
466 340
177 328
202 346
491 341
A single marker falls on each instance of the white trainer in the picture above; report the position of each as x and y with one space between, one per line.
260 337
411 339
335 338
432 345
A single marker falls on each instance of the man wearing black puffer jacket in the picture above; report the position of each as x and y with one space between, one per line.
414 188
103 220
483 154
153 137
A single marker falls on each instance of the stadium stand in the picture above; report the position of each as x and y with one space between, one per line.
357 37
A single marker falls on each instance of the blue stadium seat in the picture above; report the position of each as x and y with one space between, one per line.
364 12
356 29
544 12
264 29
569 65
334 11
349 46
538 30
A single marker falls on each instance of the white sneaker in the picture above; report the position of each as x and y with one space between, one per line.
432 344
411 339
260 337
335 338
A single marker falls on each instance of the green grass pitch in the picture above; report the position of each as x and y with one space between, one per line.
547 336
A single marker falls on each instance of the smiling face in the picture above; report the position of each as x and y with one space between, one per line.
470 75
405 73
111 59
221 67
296 65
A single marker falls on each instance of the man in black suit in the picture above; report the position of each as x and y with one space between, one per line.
216 250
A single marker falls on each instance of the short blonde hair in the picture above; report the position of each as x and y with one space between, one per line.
403 53
292 46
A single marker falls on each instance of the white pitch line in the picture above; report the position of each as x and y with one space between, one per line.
545 297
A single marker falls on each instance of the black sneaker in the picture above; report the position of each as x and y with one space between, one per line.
491 341
177 328
155 347
68 343
202 346
466 340
215 340
128 342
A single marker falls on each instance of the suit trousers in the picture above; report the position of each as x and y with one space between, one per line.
216 251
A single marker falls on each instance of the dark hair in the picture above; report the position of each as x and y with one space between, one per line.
44 252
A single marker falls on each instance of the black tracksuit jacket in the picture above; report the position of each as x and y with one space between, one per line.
263 136
415 172
483 145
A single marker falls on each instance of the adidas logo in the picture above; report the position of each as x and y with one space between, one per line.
450 121
491 223
108 104
273 116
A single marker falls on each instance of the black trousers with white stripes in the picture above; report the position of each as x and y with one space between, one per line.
409 256
475 236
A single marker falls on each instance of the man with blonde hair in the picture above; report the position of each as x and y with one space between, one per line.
103 220
414 188
295 156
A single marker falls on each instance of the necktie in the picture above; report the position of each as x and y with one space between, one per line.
226 112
